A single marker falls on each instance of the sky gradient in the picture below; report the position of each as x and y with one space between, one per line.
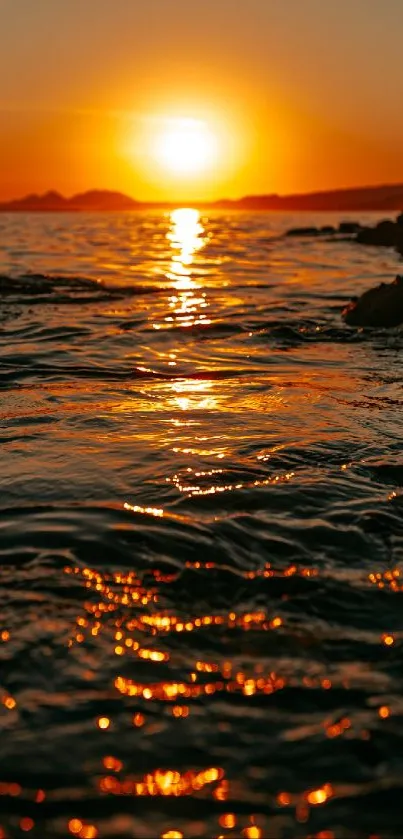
301 94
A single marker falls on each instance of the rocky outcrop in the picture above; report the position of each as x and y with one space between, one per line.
345 228
303 231
379 306
349 227
386 233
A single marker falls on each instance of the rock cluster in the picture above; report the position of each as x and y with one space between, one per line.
345 228
385 233
379 306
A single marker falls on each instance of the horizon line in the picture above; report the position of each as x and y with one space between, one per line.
279 195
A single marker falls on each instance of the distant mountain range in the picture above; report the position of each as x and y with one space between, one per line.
360 199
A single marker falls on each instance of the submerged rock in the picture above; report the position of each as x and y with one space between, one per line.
345 228
385 233
303 231
379 306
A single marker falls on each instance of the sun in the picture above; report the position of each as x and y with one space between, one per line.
186 147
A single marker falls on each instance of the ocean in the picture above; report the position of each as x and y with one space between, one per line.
201 531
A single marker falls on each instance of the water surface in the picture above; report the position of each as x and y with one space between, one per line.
201 532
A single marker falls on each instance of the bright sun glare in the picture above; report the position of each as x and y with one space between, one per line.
186 147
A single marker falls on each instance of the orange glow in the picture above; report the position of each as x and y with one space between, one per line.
227 820
388 640
319 796
276 622
282 119
180 711
384 712
252 832
162 783
149 511
112 763
188 304
27 824
88 831
75 825
172 834
170 691
118 608
222 791
390 578
103 723
185 147
181 155
10 789
336 729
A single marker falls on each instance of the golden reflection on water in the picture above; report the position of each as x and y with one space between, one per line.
186 237
130 616
125 631
193 395
124 622
143 617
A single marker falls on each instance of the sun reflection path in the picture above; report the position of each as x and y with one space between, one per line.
187 304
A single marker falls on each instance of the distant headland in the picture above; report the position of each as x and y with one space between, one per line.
360 199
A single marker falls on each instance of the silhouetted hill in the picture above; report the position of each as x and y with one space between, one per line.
49 201
378 198
389 197
98 199
94 200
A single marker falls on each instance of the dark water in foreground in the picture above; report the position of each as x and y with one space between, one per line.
201 533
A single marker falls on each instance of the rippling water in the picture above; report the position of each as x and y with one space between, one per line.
201 532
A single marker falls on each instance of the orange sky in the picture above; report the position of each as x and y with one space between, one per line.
300 94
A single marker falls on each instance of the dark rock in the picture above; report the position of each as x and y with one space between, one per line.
379 306
384 234
303 231
349 227
365 236
387 232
